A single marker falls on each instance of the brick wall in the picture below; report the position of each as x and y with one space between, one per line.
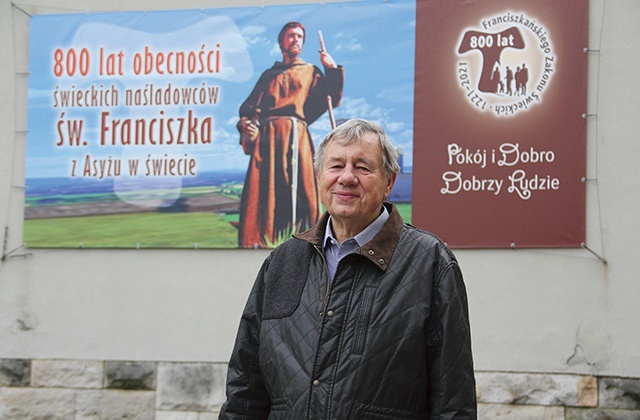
90 389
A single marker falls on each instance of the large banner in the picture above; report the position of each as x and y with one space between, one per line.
500 126
176 129
134 119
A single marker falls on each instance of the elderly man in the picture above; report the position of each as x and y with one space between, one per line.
361 317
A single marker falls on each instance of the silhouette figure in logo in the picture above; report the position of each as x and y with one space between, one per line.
509 81
496 77
491 48
522 77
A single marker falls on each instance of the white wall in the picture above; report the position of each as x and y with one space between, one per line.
532 310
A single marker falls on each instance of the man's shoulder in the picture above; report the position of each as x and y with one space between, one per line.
415 236
290 253
420 234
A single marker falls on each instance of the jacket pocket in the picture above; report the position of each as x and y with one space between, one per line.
363 317
373 412
280 408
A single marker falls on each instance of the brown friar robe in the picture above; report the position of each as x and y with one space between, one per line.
286 99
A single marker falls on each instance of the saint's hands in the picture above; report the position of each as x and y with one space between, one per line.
327 60
249 132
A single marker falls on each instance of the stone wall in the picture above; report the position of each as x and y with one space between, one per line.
91 389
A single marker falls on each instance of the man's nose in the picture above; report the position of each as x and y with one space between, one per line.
348 176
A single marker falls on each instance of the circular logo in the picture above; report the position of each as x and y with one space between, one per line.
505 64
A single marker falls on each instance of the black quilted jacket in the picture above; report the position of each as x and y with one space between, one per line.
388 339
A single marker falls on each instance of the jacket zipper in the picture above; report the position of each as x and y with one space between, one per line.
324 307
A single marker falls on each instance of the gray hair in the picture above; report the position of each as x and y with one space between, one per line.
353 130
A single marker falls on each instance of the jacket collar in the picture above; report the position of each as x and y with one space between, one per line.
378 250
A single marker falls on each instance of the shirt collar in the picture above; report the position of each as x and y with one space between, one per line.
363 237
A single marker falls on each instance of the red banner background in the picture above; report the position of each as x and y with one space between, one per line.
494 169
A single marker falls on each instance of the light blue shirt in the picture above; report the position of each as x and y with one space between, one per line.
334 251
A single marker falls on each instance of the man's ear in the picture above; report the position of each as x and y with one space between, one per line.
391 180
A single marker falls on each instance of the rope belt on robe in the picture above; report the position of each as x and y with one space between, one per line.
295 147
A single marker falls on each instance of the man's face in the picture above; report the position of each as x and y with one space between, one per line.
353 184
292 42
